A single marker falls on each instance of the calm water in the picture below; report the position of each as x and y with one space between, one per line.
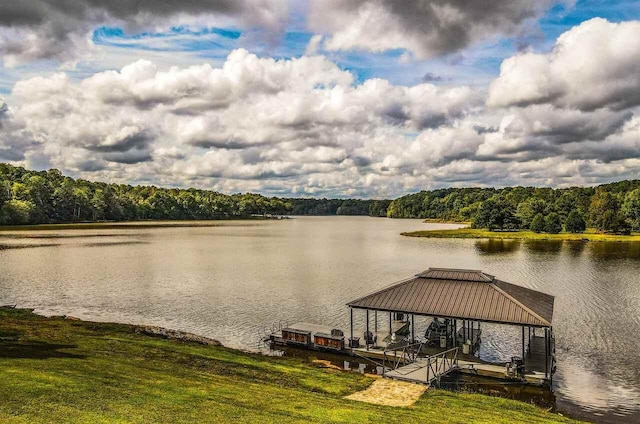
233 281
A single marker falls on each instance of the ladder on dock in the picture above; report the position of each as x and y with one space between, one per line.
426 370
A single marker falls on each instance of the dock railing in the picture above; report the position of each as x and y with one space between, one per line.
401 355
441 364
436 365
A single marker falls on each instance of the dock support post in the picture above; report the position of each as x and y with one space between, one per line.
455 333
375 320
546 354
447 329
366 342
523 351
413 329
551 353
351 322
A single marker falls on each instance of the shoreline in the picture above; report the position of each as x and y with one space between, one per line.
136 224
109 371
443 221
470 233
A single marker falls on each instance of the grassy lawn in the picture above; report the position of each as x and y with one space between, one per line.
74 371
590 235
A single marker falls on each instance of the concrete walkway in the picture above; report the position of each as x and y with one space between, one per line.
384 391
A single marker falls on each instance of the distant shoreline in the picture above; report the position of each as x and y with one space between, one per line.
470 233
134 224
444 221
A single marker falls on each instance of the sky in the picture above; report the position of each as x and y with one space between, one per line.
323 98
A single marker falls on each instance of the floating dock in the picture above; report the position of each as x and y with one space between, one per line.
458 301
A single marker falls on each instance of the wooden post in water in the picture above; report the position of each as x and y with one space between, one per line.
546 354
351 315
413 329
447 328
550 357
523 352
375 319
455 332
366 341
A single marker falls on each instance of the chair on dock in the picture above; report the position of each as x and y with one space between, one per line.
370 339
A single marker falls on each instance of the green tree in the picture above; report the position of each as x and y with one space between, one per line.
496 214
98 205
552 223
575 223
4 194
528 210
537 224
631 208
17 212
605 213
565 204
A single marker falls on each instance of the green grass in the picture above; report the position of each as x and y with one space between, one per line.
590 235
75 371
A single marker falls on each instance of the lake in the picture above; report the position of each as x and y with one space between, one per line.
234 280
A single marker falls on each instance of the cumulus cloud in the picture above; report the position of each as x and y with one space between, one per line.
44 29
594 65
250 119
305 126
425 28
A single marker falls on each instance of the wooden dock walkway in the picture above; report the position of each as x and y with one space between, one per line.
425 370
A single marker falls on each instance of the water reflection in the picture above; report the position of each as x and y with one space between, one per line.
615 250
497 246
547 247
575 248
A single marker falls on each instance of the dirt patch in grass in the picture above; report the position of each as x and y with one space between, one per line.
388 392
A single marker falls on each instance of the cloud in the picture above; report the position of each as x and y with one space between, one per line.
48 29
594 65
431 77
425 28
306 126
314 45
250 119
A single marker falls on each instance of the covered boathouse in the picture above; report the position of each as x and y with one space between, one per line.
457 301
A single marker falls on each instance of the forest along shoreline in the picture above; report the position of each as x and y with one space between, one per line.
181 377
593 213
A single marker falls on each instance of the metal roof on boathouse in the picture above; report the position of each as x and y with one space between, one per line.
464 294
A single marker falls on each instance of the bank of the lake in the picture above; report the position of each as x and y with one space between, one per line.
151 223
78 371
473 233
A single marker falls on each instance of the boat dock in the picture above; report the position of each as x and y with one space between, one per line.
458 301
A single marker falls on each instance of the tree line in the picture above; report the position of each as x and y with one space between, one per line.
612 208
37 197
